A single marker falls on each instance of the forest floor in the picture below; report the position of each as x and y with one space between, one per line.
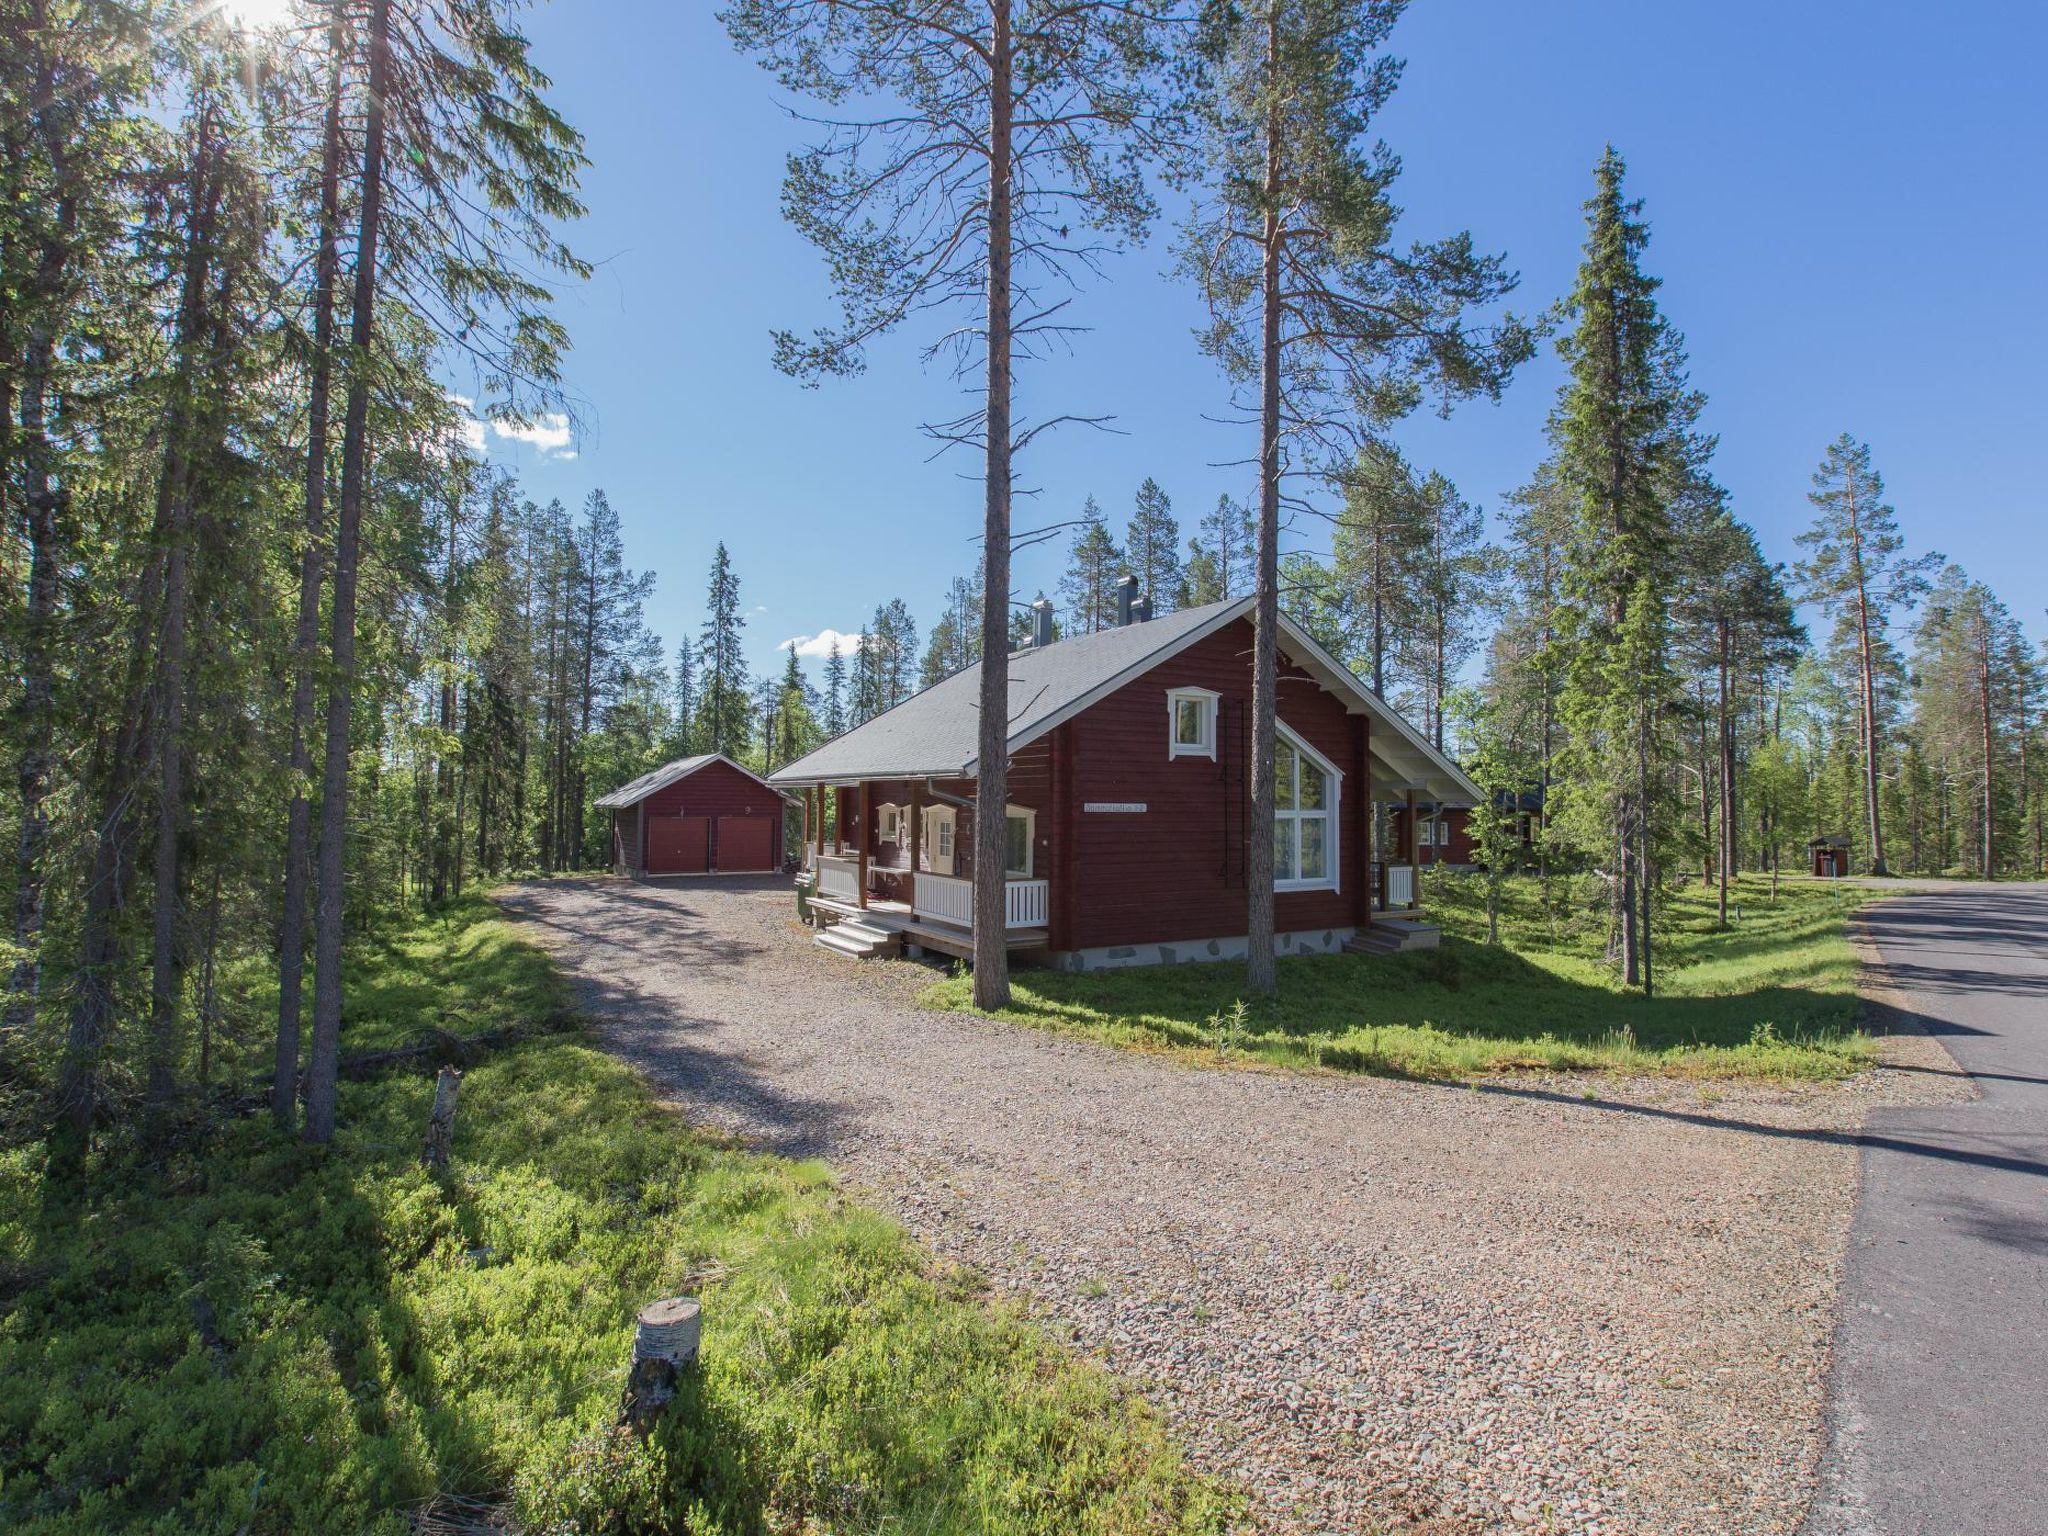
1598 1305
1770 996
248 1335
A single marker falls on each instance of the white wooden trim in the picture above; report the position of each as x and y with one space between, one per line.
1206 747
936 816
1030 819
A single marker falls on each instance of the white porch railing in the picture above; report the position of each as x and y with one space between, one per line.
950 899
1400 885
838 879
943 899
1025 903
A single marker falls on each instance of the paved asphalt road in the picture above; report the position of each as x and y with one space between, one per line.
1938 1414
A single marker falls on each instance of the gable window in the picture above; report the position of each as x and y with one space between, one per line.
1305 797
938 838
1019 827
892 824
1190 723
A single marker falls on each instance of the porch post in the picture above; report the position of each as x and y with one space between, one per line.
1414 869
805 840
863 830
916 839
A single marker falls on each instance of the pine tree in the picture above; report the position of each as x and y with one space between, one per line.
1325 327
724 720
1152 547
955 640
1220 557
1003 130
1377 540
1856 570
1094 564
1454 569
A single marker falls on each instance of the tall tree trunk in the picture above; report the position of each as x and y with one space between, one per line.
992 752
181 445
1725 738
446 832
321 1078
291 936
1984 709
43 506
1261 971
1869 699
119 773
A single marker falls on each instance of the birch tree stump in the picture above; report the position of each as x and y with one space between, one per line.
441 1123
664 1342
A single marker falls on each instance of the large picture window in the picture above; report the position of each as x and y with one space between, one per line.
1305 793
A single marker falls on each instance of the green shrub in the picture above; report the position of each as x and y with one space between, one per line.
258 1335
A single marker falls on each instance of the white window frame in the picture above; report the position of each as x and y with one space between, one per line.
1030 819
936 816
889 822
1443 832
1206 747
1333 842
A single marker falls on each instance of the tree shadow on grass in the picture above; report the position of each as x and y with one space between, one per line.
1462 989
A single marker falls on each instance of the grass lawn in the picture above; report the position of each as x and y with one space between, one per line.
1771 996
375 1343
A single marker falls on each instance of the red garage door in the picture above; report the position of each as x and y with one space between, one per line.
744 842
678 845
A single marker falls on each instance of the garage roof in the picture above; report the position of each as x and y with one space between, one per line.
668 773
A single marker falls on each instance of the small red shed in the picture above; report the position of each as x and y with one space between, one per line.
695 816
1830 856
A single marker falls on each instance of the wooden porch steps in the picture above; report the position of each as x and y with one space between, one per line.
1392 934
861 940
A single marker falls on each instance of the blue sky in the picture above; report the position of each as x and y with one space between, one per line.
1848 208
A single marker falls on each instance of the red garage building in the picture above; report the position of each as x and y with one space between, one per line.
694 816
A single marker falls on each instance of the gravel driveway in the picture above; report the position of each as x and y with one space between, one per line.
1383 1305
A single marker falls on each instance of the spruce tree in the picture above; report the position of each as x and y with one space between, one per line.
1617 433
835 690
724 720
1152 547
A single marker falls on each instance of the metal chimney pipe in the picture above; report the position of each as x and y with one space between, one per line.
1141 611
1126 590
1041 622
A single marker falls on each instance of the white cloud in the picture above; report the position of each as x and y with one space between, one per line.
817 646
548 432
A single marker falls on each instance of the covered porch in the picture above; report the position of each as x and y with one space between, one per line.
869 875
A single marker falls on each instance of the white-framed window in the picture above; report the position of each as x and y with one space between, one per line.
1443 832
1191 722
1020 833
892 823
938 838
1307 789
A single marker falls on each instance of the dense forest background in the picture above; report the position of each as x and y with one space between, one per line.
286 652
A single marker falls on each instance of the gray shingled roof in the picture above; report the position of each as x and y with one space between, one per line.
660 778
935 732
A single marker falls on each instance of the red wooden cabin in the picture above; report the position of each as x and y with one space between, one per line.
694 816
1129 800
